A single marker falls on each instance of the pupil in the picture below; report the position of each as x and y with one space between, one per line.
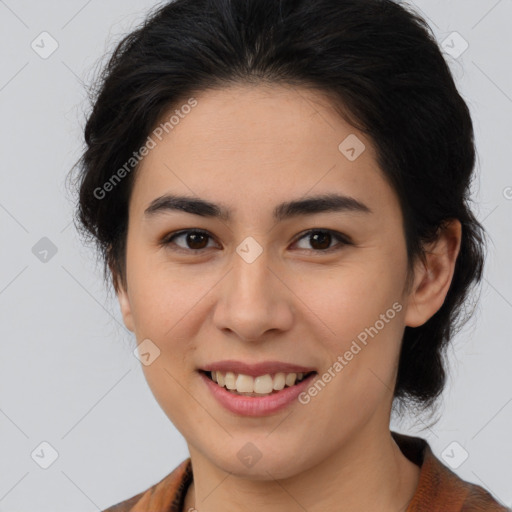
323 238
192 240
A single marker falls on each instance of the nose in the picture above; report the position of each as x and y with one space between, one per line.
254 301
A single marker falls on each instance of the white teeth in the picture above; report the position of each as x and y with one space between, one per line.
230 380
290 379
263 384
245 384
279 381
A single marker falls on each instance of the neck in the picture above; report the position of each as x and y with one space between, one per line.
369 473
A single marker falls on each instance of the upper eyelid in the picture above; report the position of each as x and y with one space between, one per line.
341 237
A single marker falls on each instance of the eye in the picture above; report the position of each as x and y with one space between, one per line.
322 238
196 240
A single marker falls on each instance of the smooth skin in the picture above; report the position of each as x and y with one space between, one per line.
250 148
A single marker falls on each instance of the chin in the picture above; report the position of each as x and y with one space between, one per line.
260 457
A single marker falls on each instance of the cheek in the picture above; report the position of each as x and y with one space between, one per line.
359 312
347 300
161 296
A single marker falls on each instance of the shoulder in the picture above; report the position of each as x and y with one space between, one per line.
127 505
439 488
165 496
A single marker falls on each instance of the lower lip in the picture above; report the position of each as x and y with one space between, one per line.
256 406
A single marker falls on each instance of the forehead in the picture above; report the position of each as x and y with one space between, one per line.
258 144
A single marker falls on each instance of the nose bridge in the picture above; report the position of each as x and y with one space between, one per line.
251 278
252 300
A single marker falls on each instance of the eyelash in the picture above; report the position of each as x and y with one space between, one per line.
343 240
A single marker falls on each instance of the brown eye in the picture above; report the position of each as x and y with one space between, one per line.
193 240
321 240
196 240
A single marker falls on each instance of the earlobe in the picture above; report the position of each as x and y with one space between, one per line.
124 303
120 289
434 276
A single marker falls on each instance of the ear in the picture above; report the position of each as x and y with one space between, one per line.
122 297
432 279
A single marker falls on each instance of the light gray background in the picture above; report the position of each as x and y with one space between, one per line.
67 372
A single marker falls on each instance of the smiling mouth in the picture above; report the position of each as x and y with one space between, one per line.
262 385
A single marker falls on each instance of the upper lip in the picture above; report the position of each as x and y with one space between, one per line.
255 369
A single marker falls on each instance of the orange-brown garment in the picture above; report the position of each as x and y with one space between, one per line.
439 489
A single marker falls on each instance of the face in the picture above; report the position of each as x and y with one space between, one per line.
319 287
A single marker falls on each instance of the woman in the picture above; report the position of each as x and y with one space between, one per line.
279 190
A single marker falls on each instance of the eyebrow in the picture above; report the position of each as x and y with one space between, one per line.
306 206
